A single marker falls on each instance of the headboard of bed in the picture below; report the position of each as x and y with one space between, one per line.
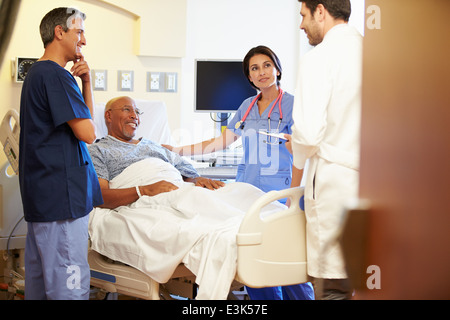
154 123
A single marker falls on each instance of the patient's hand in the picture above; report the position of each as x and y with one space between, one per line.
206 183
157 188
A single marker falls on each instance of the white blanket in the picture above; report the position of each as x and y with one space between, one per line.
191 225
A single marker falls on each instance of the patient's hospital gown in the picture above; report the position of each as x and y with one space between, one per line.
111 156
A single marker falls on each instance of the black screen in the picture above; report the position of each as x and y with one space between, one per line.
221 86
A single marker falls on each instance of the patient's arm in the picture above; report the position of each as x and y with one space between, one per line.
113 198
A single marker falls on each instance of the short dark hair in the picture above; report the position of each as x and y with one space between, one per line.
265 51
57 17
338 9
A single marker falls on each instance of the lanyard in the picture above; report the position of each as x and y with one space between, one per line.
240 124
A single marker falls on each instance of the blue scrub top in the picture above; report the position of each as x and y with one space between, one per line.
56 175
266 166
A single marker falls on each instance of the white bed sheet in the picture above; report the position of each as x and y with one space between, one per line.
191 225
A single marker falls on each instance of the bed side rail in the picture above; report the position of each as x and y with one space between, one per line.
272 250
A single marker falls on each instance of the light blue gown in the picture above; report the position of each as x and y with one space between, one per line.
268 167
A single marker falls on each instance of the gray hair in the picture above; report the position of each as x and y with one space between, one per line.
58 17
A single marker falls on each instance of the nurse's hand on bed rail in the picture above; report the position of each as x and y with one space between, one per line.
206 183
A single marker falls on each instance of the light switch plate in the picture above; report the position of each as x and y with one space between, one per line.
100 78
171 82
125 80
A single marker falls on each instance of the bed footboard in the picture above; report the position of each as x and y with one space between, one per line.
272 250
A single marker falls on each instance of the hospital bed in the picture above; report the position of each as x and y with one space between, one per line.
271 251
12 226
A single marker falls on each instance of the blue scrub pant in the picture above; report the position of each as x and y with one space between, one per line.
303 291
56 266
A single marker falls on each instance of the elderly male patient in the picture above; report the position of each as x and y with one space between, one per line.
115 152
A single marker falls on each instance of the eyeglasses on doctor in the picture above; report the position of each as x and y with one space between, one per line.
128 109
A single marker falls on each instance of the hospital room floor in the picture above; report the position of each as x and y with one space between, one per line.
96 294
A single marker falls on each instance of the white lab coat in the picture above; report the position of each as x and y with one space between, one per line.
326 131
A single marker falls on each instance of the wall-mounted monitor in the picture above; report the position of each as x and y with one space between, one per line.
220 86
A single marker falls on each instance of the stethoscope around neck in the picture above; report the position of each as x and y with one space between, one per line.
241 124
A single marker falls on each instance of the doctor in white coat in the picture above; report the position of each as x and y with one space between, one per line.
326 131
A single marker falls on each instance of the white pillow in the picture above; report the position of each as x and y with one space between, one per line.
154 123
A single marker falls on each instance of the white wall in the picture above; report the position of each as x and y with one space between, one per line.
357 19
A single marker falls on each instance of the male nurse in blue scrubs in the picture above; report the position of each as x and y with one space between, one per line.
58 183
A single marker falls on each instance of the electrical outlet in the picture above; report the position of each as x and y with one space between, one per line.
125 80
100 79
155 81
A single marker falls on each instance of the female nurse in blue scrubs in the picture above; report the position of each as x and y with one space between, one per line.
266 162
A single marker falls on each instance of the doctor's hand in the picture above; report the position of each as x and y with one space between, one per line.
157 188
288 142
81 69
206 183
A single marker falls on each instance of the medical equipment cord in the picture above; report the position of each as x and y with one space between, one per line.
220 120
11 235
